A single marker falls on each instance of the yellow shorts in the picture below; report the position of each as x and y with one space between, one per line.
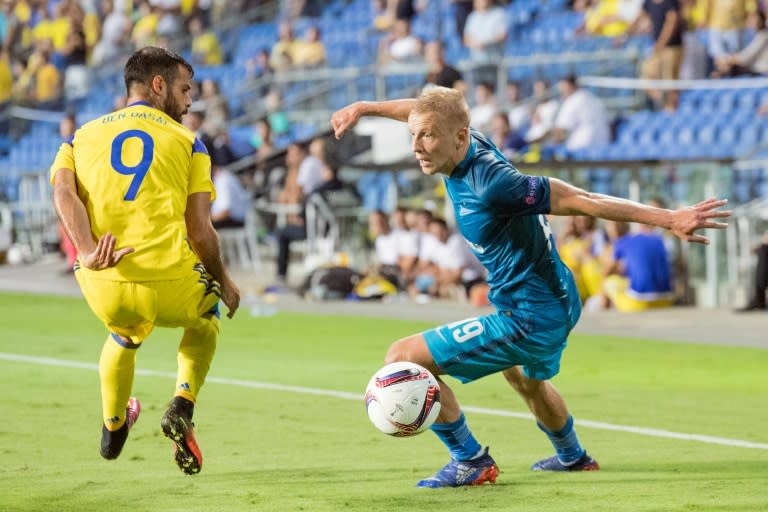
616 289
132 309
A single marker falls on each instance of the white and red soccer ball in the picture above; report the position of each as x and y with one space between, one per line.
403 399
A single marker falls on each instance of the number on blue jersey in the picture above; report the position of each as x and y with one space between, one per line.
467 329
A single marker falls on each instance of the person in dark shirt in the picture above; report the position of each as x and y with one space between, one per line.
440 73
667 54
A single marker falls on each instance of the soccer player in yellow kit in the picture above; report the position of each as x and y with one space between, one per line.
139 178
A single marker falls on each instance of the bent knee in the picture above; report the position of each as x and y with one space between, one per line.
522 384
398 351
413 349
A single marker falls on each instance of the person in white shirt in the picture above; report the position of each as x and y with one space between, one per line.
310 174
455 262
385 242
229 208
582 120
445 263
407 242
485 107
400 45
485 32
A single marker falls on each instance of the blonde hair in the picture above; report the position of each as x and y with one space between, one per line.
447 104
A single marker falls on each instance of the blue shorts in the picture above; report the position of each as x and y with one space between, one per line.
476 347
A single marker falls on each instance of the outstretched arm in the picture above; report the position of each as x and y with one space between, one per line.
345 119
565 199
94 254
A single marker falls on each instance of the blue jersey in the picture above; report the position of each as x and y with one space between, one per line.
500 212
646 265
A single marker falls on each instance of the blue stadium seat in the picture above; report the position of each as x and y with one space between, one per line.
726 100
647 137
686 135
706 135
728 135
747 100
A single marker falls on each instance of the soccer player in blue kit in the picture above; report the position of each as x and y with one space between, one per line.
500 212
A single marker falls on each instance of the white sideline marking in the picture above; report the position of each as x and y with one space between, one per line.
651 432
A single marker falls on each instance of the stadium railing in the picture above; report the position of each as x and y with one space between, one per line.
709 277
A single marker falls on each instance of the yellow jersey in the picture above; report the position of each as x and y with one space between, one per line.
134 169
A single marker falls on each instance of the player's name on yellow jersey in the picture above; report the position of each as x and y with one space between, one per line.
120 115
135 169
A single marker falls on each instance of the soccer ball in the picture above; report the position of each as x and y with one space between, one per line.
403 399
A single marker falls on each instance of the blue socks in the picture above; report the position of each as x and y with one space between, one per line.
459 440
566 443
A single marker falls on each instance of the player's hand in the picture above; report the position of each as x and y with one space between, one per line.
345 119
104 255
230 296
699 216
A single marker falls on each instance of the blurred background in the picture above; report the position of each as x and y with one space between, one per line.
655 101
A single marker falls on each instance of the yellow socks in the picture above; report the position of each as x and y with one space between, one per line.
116 367
194 359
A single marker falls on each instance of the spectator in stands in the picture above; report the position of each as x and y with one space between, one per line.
418 221
281 57
6 77
228 210
407 244
399 45
385 242
751 60
5 19
259 68
439 72
169 24
292 194
447 264
509 142
727 24
390 11
194 120
206 48
610 18
582 120
461 11
43 26
520 110
484 108
639 277
666 56
61 24
114 34
261 140
544 112
144 32
47 81
307 174
312 168
484 34
310 52
580 246
216 106
76 74
757 300
278 120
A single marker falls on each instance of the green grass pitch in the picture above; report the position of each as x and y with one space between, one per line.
269 449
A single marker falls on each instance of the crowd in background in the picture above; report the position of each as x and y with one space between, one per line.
49 46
